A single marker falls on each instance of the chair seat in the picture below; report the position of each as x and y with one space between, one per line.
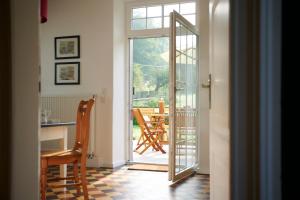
66 153
60 157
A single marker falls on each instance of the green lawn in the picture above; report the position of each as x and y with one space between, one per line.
136 132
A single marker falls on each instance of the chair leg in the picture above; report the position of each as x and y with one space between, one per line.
75 171
140 138
84 182
43 179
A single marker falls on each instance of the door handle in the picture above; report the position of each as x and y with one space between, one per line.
205 85
208 85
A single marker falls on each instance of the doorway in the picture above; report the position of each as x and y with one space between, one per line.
149 66
151 79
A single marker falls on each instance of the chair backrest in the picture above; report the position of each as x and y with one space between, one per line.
83 127
140 119
161 105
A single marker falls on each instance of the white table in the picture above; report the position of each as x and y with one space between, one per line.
57 131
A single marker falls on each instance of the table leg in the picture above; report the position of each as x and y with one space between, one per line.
64 146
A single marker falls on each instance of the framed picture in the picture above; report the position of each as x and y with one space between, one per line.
67 47
67 73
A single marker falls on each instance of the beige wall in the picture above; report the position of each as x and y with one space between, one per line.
93 21
25 118
204 93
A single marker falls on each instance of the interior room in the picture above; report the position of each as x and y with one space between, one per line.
85 48
153 99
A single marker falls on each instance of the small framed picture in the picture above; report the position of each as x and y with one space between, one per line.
67 73
67 47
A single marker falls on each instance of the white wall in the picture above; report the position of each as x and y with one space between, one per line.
93 21
25 118
119 85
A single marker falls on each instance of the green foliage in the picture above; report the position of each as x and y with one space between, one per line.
148 51
147 103
150 69
138 77
134 121
136 132
161 78
153 102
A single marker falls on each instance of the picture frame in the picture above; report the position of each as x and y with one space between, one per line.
67 47
67 73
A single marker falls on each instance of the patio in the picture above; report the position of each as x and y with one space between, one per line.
150 155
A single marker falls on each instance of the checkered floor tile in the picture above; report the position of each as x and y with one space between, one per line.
123 184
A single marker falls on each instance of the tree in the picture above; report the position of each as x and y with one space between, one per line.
138 79
147 53
161 78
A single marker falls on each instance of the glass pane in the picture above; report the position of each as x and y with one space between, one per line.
154 11
190 18
138 13
167 22
189 43
138 24
170 8
153 23
194 42
183 39
150 79
185 100
188 8
150 71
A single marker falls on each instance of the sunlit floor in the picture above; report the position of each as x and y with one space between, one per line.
151 156
124 184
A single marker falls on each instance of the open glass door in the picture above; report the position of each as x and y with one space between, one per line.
184 101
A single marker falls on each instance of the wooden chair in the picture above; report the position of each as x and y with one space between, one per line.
142 137
149 133
159 119
161 106
73 156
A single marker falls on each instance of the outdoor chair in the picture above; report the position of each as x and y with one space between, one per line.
150 133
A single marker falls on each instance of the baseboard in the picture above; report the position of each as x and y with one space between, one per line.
93 162
97 162
119 163
113 165
203 171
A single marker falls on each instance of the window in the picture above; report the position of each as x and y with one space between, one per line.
157 16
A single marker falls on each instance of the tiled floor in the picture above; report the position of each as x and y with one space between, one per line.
123 184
